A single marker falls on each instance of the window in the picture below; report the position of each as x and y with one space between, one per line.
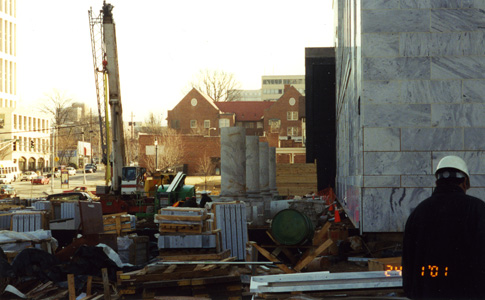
207 123
193 123
175 124
274 125
259 124
223 123
292 116
248 125
292 131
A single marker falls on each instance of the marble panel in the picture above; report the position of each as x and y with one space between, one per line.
380 4
458 115
398 115
477 181
476 192
473 4
446 20
431 91
382 181
382 139
470 67
415 44
397 163
474 91
475 160
429 139
377 68
380 45
395 20
387 209
431 3
381 92
454 44
474 138
418 181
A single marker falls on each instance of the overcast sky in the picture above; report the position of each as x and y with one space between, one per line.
163 44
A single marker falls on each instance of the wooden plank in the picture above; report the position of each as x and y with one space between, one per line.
106 287
182 218
270 257
111 220
180 228
196 257
89 285
312 253
321 235
71 287
285 250
170 269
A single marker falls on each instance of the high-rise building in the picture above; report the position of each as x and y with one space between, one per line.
24 135
273 86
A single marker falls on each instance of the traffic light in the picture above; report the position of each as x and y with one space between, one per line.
32 145
15 146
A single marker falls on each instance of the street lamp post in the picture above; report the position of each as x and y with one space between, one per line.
83 156
156 154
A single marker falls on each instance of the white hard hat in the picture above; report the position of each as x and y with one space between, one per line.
453 162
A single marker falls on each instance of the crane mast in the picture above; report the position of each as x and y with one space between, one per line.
98 49
112 90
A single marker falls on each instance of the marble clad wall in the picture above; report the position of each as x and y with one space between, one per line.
410 90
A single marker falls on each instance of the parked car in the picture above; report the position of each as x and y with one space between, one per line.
40 180
89 169
5 178
71 170
28 176
91 166
7 189
57 174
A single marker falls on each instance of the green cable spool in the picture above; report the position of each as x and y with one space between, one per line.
291 227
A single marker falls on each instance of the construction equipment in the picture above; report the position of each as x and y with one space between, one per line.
127 191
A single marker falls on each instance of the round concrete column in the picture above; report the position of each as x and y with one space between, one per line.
272 171
252 165
264 167
233 163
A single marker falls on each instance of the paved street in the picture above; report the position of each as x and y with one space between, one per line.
27 190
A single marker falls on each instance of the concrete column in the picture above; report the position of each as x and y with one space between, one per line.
272 171
233 163
252 166
264 167
255 204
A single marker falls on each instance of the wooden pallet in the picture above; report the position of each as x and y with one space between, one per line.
183 228
117 223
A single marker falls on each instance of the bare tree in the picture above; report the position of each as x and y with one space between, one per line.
5 149
169 151
153 124
205 168
57 105
221 86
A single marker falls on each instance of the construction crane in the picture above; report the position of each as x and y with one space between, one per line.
103 40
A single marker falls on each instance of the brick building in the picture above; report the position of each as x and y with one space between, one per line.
198 118
193 148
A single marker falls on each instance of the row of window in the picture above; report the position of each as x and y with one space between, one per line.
30 144
8 71
8 35
30 123
9 7
283 81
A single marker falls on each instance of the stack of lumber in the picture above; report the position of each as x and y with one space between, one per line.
296 179
191 280
183 219
186 228
121 223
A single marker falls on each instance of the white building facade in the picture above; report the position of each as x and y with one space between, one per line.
24 134
410 90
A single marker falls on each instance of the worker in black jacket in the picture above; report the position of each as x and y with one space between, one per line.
444 239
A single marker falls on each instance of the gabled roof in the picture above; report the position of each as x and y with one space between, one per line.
245 110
